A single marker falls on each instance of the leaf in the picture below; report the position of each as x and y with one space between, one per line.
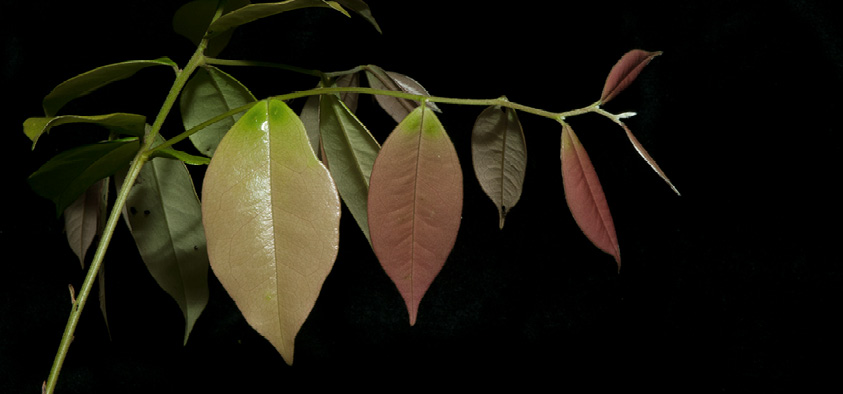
211 92
415 203
87 82
643 152
585 197
82 220
67 175
625 71
361 8
350 99
310 119
187 158
499 155
192 19
350 151
271 214
396 107
119 123
164 217
253 12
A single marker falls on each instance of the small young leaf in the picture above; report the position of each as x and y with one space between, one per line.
253 12
625 71
271 214
165 219
82 219
643 152
87 82
585 197
67 175
362 9
192 19
350 151
211 92
415 203
119 123
499 155
396 107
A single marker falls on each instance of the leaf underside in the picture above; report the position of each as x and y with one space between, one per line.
415 204
82 219
625 71
271 214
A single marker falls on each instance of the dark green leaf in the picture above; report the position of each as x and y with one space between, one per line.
67 175
361 8
119 123
253 12
87 82
193 18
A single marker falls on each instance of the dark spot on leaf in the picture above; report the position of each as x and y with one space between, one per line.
133 210
146 212
195 247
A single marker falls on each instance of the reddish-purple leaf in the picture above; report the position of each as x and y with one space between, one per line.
585 197
647 158
415 204
396 107
625 71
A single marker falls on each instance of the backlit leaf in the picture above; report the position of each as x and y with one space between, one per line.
87 82
67 175
253 12
585 197
415 203
350 151
119 123
192 19
211 92
625 71
396 107
82 220
499 155
164 217
643 152
271 214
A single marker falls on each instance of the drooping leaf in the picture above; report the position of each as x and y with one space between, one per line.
164 216
67 175
415 203
253 12
350 151
271 214
643 152
119 123
396 107
192 19
625 71
585 197
499 155
87 82
361 8
187 158
211 92
82 219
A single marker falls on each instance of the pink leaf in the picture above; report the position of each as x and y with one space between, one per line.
625 71
415 204
647 158
585 197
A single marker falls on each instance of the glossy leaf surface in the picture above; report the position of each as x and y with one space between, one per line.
253 12
350 151
82 219
90 81
164 217
585 196
192 19
67 175
119 123
625 71
271 214
396 107
499 156
211 92
415 203
643 152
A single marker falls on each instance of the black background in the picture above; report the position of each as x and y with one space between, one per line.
733 287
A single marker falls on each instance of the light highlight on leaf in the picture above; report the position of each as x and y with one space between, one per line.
585 197
499 156
625 71
87 82
271 214
415 204
643 152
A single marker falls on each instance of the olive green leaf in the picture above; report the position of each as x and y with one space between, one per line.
253 12
192 19
119 123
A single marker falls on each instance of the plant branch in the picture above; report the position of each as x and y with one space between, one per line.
253 63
